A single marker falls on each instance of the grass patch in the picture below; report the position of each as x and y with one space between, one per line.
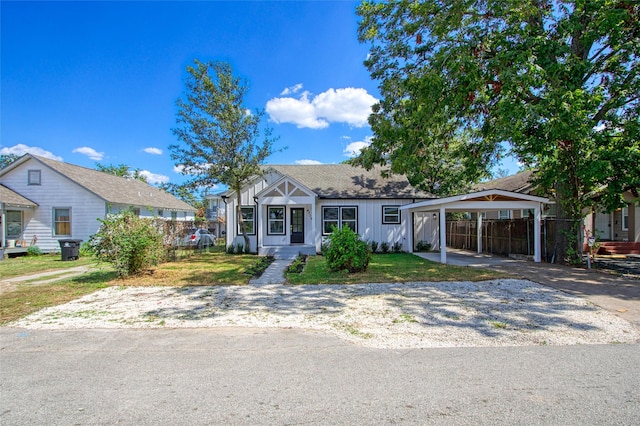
390 268
26 265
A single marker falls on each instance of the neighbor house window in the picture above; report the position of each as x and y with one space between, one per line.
625 218
390 214
248 218
174 215
504 214
528 213
14 224
136 211
339 217
276 220
160 213
61 221
34 177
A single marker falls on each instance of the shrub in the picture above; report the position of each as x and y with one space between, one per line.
85 249
298 265
130 243
239 248
397 247
384 247
423 246
34 251
260 266
347 251
374 246
231 249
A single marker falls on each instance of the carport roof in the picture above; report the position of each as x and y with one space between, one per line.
492 199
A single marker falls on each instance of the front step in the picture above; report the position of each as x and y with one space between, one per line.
287 252
619 247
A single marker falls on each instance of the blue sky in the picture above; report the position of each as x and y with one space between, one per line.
88 82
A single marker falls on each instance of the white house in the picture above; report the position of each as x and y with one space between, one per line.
43 201
294 207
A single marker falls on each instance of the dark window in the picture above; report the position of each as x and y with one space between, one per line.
390 214
339 217
249 220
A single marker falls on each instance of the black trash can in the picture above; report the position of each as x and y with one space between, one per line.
70 249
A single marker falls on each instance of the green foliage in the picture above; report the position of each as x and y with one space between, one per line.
34 251
258 268
384 247
373 245
555 83
221 142
130 243
347 251
85 249
397 247
121 170
297 266
6 159
423 246
231 249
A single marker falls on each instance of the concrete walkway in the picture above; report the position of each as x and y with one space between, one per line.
615 293
274 274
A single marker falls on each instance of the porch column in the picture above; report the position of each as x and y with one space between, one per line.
479 232
443 235
313 224
634 222
410 229
537 257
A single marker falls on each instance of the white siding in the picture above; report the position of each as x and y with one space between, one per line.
55 191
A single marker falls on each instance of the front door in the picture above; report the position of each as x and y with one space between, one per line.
297 226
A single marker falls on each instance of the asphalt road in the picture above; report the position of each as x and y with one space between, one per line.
255 376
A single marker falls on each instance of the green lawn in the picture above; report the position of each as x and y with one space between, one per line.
390 268
25 265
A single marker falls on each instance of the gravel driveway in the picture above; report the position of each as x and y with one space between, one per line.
505 312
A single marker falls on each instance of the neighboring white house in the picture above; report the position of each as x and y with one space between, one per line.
44 200
297 205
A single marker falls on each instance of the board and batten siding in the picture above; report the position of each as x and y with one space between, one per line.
55 191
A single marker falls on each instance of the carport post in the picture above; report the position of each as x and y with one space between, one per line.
537 257
443 235
479 232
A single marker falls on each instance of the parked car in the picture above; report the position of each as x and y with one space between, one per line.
200 238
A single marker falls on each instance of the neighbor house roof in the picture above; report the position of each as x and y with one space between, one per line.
12 198
520 183
111 188
346 181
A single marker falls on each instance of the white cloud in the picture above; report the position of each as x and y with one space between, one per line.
354 148
179 169
290 90
349 105
89 152
307 162
182 170
152 150
154 178
22 149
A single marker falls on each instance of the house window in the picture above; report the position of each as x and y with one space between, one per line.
390 214
14 224
34 177
339 217
504 214
160 213
483 215
174 215
248 218
276 220
527 213
61 221
625 218
136 211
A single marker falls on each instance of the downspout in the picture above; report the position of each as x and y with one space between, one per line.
257 224
226 220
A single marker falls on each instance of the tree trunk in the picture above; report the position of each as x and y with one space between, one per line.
568 224
247 243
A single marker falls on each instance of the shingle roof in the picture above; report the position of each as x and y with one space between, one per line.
346 181
12 198
116 189
520 182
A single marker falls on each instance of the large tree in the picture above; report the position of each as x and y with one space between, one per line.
222 141
121 170
556 82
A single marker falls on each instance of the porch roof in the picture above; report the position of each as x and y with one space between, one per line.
9 197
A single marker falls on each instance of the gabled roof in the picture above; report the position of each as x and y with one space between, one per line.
111 188
346 181
12 198
520 183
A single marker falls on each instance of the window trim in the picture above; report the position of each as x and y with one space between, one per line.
385 214
54 228
509 215
253 221
625 226
283 220
12 236
339 220
34 172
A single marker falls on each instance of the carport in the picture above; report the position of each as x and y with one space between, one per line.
488 200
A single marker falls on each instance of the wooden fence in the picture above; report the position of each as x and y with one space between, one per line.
502 237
